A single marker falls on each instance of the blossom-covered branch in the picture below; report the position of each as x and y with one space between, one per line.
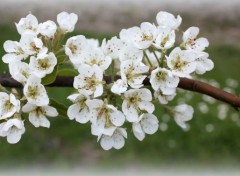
185 83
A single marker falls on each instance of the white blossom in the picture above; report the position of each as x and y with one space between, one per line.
95 56
181 62
67 21
89 81
164 80
132 73
112 47
104 116
165 38
31 44
153 59
130 52
9 105
203 63
37 114
147 124
167 20
192 42
35 92
43 66
116 140
79 109
119 87
12 129
182 113
163 99
29 24
20 71
14 52
137 101
48 29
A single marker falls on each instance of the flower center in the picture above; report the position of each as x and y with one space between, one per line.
178 64
44 64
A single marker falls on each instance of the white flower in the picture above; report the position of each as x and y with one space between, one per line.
112 47
203 63
163 99
14 52
20 71
142 37
104 116
132 73
74 48
153 59
116 140
95 56
43 66
31 44
9 105
147 123
167 20
48 29
181 62
119 87
37 114
12 129
137 101
130 52
79 110
182 113
35 92
191 42
89 81
29 24
164 80
67 21
165 38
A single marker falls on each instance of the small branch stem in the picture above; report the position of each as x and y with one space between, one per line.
145 54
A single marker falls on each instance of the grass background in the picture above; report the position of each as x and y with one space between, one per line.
69 142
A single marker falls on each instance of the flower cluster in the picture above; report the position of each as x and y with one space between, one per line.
110 88
31 60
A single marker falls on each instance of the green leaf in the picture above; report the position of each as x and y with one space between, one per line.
61 58
67 72
62 109
51 77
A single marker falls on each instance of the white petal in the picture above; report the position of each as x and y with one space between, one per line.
130 112
106 142
118 141
28 107
138 132
149 123
73 110
50 111
83 116
117 118
146 106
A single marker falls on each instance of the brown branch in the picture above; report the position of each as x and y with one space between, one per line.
185 83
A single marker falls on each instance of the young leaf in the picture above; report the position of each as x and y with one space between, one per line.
51 77
67 72
62 109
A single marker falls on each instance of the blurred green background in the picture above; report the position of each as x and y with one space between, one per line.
213 135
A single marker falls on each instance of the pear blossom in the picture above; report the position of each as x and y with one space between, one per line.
95 56
74 48
48 29
35 92
31 44
137 101
153 59
182 113
89 81
9 105
14 52
203 63
119 87
163 99
37 114
67 21
29 24
181 62
112 47
43 66
165 38
130 52
20 71
132 73
115 140
167 20
104 116
147 124
12 129
79 109
192 42
164 80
